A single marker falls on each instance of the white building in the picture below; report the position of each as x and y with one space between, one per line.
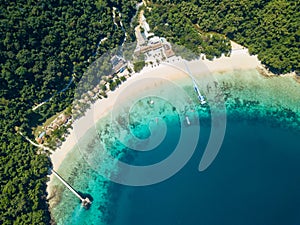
146 27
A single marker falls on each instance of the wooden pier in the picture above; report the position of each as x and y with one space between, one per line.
86 202
197 90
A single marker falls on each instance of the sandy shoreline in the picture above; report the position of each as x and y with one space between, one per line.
102 107
239 60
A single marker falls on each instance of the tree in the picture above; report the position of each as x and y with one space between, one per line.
138 66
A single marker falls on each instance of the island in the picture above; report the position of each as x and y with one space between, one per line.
47 48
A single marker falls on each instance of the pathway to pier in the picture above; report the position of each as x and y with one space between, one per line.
85 201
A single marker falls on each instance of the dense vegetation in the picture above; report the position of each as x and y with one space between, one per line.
43 45
138 66
269 28
170 21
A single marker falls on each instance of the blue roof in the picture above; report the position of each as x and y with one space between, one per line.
42 134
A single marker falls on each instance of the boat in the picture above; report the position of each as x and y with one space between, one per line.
188 120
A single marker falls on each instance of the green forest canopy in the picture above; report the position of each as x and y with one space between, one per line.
43 45
269 28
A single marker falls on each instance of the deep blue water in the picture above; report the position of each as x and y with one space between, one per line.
255 179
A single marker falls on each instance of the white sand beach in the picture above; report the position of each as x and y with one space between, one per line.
239 60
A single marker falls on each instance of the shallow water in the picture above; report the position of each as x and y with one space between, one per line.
253 180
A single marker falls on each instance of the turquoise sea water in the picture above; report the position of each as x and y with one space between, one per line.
253 180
